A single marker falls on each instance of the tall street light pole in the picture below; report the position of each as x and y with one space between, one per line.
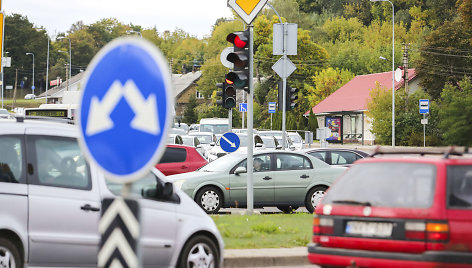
70 57
393 69
32 87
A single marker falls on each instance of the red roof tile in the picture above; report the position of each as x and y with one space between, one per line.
355 94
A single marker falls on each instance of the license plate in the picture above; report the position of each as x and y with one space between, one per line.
379 229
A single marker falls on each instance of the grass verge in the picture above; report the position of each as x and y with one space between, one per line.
265 231
8 103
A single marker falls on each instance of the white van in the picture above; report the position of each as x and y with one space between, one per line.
216 126
50 202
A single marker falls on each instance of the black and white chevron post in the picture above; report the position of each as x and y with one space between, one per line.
120 230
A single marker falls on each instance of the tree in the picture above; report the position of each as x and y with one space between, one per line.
455 111
22 37
190 117
445 57
408 130
326 82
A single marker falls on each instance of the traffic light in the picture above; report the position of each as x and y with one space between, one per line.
227 94
240 58
280 95
291 97
220 93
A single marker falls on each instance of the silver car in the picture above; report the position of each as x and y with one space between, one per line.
51 200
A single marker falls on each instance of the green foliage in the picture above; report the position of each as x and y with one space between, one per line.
265 231
408 128
312 122
455 111
190 117
327 81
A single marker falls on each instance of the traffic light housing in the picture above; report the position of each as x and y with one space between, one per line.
280 95
239 77
227 94
292 95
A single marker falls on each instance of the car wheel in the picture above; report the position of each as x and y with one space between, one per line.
287 209
9 255
210 199
199 251
314 197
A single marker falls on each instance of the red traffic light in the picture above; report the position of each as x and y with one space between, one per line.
239 39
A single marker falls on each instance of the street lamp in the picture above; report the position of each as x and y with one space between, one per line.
32 87
47 63
393 69
70 57
68 78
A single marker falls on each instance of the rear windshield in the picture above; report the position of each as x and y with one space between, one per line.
406 185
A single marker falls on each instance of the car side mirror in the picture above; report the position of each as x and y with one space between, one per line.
279 147
212 143
199 146
259 145
159 191
168 190
240 170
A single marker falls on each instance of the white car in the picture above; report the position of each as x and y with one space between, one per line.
51 202
207 141
30 96
5 114
296 139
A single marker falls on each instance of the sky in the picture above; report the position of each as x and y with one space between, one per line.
195 17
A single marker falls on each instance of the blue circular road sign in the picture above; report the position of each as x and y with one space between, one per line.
126 109
229 142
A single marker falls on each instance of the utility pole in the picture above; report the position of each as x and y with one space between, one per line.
14 91
405 66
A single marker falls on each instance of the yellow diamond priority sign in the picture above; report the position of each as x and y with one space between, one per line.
247 9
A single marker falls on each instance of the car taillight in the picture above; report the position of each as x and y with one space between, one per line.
322 226
436 235
433 233
415 231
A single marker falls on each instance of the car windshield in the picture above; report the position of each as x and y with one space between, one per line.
188 140
269 142
224 163
295 138
406 185
3 111
204 139
148 180
214 128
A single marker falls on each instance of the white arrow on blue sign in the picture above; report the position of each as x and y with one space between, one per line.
229 142
126 109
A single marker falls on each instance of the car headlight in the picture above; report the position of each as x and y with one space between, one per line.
178 184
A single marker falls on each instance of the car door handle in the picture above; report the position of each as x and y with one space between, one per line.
88 207
184 167
304 176
266 178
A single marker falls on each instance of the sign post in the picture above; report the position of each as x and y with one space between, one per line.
284 43
248 11
272 108
125 112
424 109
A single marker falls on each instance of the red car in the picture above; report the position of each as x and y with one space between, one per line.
397 212
180 159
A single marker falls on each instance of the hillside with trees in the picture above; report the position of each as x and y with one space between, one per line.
337 40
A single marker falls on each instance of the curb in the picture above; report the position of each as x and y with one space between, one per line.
266 257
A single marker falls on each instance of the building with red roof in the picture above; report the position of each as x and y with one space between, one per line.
343 111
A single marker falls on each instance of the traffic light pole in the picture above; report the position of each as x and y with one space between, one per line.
250 114
284 81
